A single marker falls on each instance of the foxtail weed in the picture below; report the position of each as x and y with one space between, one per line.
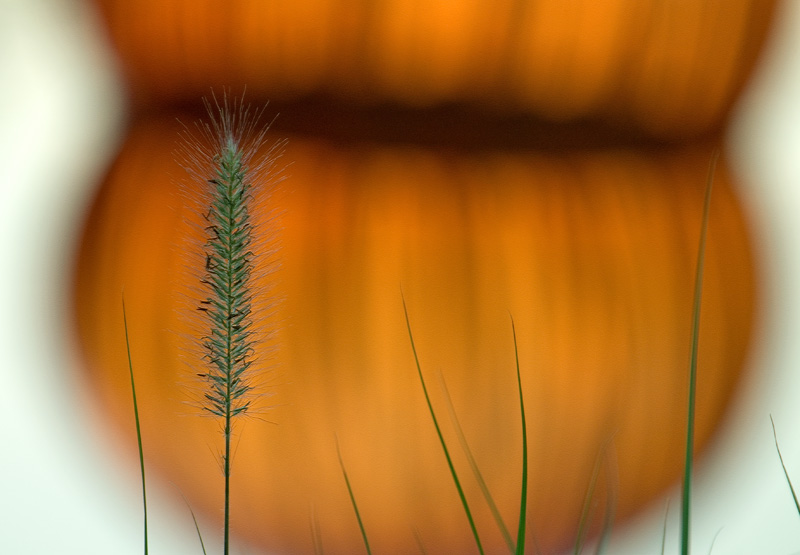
233 175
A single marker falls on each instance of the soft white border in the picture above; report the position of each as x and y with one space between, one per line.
741 492
64 491
65 488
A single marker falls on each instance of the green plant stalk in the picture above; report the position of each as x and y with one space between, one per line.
475 470
441 437
197 528
518 547
664 531
583 523
698 291
713 541
611 502
196 525
225 162
229 269
138 427
353 501
524 490
420 545
316 536
785 472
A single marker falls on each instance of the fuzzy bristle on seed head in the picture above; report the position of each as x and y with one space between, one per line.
233 242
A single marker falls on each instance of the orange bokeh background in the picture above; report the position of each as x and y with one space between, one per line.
487 159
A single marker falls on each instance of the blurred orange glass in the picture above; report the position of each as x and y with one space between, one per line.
543 160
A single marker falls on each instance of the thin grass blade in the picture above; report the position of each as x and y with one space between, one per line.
475 470
664 532
316 535
536 548
698 294
520 550
138 427
611 503
441 437
785 472
353 501
420 545
199 534
196 525
586 510
713 541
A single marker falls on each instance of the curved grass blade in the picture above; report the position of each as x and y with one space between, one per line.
519 547
196 525
698 293
785 472
536 548
611 503
138 427
353 500
586 510
713 541
316 535
441 438
524 490
475 470
420 545
664 532
199 535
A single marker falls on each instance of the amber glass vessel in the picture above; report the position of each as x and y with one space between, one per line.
541 160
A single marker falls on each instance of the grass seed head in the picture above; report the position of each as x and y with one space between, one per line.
233 175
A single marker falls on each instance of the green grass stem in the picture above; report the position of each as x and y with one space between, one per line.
353 501
476 470
316 535
698 293
418 539
228 169
517 547
199 534
611 503
520 550
196 525
441 437
138 427
785 472
586 510
664 531
713 541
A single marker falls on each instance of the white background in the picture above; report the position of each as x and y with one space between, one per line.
64 485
